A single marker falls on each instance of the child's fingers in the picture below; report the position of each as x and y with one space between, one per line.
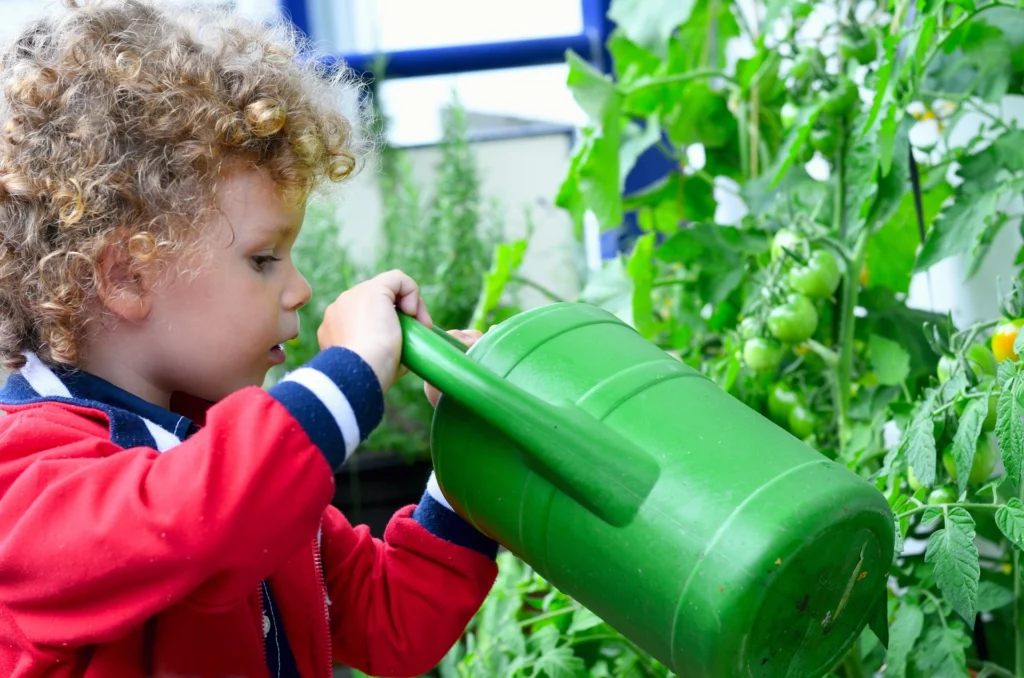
467 337
406 294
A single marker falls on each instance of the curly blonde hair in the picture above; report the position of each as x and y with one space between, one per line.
116 119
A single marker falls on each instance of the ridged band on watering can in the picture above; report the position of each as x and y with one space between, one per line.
742 553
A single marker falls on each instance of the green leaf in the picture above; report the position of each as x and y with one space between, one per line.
919 441
1018 343
1010 519
905 630
599 180
1009 428
981 171
893 249
650 23
641 270
992 596
635 142
965 442
886 137
505 262
951 549
555 660
940 654
960 229
594 91
594 180
930 515
796 140
583 620
861 181
889 361
882 86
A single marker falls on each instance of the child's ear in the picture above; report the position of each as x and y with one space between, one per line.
122 291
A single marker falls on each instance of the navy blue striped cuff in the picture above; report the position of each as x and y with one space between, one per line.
336 398
436 515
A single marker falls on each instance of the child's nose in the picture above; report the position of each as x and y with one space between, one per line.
299 293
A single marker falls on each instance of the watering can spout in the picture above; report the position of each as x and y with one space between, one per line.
598 467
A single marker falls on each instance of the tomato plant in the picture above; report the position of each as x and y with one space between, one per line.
799 305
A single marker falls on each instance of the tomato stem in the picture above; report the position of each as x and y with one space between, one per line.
847 320
1018 608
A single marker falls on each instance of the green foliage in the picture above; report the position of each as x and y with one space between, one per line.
818 148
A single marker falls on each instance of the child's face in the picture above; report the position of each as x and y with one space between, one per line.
221 329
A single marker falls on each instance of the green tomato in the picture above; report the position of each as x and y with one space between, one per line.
980 359
824 142
843 98
794 321
749 328
947 365
802 421
942 495
781 401
912 480
762 355
819 278
982 466
787 239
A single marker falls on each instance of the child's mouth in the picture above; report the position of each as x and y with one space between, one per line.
277 354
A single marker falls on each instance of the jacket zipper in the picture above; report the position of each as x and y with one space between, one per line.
322 587
259 623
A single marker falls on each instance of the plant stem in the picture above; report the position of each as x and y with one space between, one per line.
960 22
824 352
851 289
938 606
678 78
1018 609
538 287
925 507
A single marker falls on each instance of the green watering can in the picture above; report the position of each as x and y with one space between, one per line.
697 528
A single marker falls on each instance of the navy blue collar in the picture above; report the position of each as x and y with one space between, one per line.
134 422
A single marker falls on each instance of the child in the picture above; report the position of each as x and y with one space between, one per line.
160 514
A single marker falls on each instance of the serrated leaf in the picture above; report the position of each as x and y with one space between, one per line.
904 632
1018 343
1010 519
960 229
560 662
650 23
965 442
940 654
889 360
582 620
992 596
919 441
951 549
930 515
796 140
1009 428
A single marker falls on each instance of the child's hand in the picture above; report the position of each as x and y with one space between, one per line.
363 320
467 337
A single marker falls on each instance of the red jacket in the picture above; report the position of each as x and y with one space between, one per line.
122 561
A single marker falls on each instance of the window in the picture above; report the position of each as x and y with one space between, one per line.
366 26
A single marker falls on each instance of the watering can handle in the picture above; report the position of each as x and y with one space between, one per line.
596 466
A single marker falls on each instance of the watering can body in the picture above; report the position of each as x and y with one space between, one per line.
699 529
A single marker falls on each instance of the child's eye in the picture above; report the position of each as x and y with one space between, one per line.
261 260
